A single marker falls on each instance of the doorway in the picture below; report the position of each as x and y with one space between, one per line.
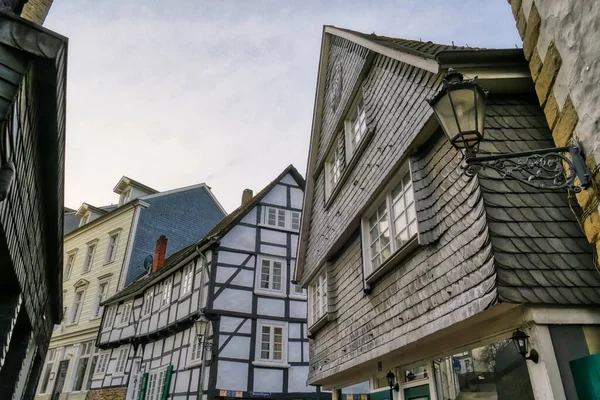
60 379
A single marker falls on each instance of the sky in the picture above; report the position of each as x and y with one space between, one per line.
174 93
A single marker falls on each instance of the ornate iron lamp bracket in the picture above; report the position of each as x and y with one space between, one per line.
544 169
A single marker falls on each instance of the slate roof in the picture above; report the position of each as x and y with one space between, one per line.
541 253
416 47
219 230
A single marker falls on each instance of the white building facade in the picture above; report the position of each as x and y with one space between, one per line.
252 339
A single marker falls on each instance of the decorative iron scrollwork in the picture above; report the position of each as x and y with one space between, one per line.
543 169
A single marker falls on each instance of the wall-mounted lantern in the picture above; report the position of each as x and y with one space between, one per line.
521 341
391 378
460 109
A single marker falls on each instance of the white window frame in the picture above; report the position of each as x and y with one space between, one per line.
317 307
287 218
121 361
196 344
89 256
102 363
294 294
85 218
111 255
48 367
395 249
167 293
187 280
258 281
135 381
156 382
259 361
125 313
109 320
100 297
125 196
76 313
148 300
355 114
71 258
334 166
85 351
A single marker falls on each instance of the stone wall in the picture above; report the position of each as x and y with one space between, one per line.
36 10
561 44
117 393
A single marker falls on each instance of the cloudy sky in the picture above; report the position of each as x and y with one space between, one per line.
174 93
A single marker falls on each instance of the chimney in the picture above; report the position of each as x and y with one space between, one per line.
246 196
159 253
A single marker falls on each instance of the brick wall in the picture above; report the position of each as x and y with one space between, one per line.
118 393
560 42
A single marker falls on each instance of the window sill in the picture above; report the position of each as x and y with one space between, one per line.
298 297
270 294
95 318
391 262
349 167
270 364
320 324
108 262
185 296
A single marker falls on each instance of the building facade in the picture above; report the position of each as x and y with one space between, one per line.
220 318
102 246
32 137
413 267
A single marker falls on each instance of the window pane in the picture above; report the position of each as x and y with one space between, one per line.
271 216
281 218
276 276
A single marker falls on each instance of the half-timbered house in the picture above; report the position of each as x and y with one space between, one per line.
414 268
220 318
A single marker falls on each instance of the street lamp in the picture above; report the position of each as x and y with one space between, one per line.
201 325
460 109
391 378
521 341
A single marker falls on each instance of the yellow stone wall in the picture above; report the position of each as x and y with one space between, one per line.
566 79
36 10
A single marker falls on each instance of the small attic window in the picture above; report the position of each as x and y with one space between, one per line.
84 219
125 196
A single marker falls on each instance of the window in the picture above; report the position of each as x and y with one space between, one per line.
166 295
271 271
135 382
110 317
82 365
318 290
69 264
111 251
273 341
333 167
48 371
121 361
298 289
156 383
77 304
125 313
355 126
84 219
281 218
391 226
92 370
148 302
196 351
102 362
125 196
100 296
89 257
186 279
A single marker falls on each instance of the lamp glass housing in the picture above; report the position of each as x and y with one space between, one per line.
201 326
390 379
520 339
460 110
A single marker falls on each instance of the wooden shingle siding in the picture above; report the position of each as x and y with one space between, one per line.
349 58
438 285
394 99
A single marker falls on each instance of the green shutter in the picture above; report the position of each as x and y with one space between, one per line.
143 386
165 392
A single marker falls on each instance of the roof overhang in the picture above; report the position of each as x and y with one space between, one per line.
85 207
126 182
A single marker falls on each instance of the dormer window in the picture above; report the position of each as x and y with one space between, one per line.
84 219
125 197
